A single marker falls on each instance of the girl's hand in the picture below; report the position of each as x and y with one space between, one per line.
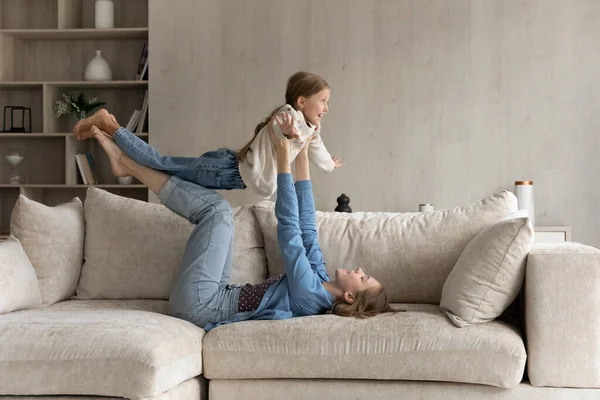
338 163
280 144
287 124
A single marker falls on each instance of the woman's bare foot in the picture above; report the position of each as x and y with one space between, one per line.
102 119
118 159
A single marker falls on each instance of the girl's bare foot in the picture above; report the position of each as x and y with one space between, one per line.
118 160
102 119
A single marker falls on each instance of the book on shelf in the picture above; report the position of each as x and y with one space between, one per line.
87 168
143 114
133 121
93 169
142 70
81 169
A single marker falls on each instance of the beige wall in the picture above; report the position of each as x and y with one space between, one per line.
440 101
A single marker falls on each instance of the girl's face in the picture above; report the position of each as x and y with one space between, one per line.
315 107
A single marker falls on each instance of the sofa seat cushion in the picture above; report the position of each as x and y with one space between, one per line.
419 344
97 347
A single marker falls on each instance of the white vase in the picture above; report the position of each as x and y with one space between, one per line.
524 193
98 69
105 14
125 180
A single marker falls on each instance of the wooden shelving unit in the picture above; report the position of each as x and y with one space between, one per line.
45 46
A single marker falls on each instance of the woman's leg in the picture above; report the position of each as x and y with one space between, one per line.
213 170
208 250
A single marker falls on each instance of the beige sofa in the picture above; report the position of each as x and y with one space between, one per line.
103 328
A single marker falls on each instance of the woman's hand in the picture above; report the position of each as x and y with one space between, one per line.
287 124
302 165
282 146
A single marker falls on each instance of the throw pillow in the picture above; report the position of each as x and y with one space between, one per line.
53 239
19 287
489 273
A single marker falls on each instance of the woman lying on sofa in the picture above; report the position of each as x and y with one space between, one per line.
202 293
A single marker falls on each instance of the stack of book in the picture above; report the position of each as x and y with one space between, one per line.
138 117
142 70
137 120
87 168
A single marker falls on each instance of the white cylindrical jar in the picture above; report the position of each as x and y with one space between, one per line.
425 207
524 193
105 14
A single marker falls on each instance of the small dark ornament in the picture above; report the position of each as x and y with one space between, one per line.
25 113
343 204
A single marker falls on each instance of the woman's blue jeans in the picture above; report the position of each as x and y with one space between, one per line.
202 292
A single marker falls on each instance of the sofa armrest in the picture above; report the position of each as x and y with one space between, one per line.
562 315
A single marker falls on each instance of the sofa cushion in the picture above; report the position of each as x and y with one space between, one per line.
53 239
19 287
419 344
97 347
133 248
412 254
192 389
489 273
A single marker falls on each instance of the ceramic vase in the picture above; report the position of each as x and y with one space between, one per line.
98 69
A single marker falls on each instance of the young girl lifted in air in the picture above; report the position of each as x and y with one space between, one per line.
255 165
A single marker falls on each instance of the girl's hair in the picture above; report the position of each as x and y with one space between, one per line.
301 84
368 303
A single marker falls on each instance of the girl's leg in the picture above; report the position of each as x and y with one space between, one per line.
213 170
122 165
208 247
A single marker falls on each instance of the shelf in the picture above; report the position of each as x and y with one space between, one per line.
77 34
61 186
4 237
100 85
33 135
22 85
47 135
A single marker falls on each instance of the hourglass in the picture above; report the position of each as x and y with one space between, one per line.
14 158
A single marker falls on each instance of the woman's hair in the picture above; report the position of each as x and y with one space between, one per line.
368 303
301 84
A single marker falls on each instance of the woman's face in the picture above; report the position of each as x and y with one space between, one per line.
354 280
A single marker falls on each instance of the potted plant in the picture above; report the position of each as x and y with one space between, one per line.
78 107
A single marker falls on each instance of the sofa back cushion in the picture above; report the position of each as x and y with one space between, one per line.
412 254
133 248
52 238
